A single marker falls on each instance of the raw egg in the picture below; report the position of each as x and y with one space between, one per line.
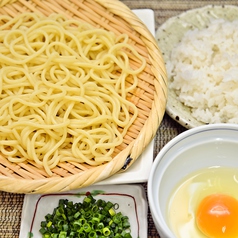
217 216
205 204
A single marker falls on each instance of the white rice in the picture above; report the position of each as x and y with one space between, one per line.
204 72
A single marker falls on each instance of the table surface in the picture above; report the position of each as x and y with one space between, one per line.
11 204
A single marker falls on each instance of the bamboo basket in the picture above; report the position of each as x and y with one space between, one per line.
150 98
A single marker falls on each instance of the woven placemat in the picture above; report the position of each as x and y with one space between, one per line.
10 214
11 204
164 9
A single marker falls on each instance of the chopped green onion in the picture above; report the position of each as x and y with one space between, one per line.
86 227
49 224
115 206
127 235
62 234
76 215
126 224
117 218
82 220
88 214
111 211
92 234
89 219
95 220
106 231
95 208
100 226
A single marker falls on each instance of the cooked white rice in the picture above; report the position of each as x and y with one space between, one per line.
204 72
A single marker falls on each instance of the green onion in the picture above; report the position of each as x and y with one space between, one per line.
100 226
95 220
62 234
116 206
111 211
106 231
90 219
117 218
95 208
82 220
92 234
86 227
76 215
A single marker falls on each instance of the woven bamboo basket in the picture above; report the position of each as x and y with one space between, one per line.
150 98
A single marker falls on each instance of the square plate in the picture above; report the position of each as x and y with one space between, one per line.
131 199
139 171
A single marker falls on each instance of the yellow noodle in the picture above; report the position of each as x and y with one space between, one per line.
63 90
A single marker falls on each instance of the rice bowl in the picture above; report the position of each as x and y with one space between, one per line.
200 51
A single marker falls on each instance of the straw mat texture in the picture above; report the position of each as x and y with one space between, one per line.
149 97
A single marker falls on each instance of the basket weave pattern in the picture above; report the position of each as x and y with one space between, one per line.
149 97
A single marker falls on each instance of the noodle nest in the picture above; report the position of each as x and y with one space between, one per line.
64 90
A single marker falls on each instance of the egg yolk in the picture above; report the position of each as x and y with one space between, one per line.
217 216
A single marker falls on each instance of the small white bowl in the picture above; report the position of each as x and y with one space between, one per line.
194 149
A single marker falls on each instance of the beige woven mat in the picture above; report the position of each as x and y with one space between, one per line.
165 9
11 204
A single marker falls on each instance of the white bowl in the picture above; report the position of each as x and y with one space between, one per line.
194 149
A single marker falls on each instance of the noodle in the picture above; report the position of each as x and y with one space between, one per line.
63 90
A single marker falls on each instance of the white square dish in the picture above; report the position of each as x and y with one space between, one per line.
131 199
